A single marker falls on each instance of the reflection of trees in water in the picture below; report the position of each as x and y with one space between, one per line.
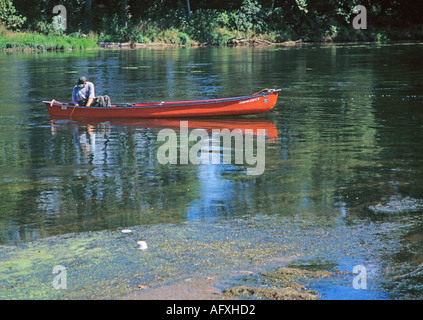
102 176
121 175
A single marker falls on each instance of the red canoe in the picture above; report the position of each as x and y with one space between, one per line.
259 102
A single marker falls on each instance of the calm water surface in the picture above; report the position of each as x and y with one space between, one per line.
349 127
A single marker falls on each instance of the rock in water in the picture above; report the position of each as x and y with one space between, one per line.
398 206
272 293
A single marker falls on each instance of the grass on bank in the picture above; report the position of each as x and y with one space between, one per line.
21 41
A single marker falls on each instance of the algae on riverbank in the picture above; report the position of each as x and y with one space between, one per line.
107 265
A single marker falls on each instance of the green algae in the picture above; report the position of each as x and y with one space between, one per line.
107 264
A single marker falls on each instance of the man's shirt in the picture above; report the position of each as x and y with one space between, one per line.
79 94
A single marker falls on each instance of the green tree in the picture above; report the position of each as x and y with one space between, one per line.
248 17
9 15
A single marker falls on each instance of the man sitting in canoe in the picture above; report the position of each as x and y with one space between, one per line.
83 94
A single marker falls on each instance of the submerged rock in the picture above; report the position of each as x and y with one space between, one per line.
287 277
398 206
285 273
272 293
285 285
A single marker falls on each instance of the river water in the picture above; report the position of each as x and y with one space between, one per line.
345 134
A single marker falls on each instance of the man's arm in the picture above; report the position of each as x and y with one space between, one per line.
74 98
89 102
91 95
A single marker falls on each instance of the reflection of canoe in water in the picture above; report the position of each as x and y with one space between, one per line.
175 123
256 103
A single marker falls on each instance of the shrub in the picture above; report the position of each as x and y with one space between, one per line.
203 24
184 38
139 38
222 35
113 31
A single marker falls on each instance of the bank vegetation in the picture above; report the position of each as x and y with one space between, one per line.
26 24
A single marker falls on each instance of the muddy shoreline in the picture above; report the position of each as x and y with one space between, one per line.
284 286
233 42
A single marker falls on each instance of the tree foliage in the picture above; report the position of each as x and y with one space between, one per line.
208 20
9 16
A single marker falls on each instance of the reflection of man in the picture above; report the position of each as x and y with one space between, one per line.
83 93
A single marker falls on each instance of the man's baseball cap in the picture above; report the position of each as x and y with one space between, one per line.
82 80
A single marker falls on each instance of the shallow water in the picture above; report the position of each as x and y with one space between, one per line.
348 123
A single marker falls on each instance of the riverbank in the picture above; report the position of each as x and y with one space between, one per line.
31 42
232 42
12 41
185 23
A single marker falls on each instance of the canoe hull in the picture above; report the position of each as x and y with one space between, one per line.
261 102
